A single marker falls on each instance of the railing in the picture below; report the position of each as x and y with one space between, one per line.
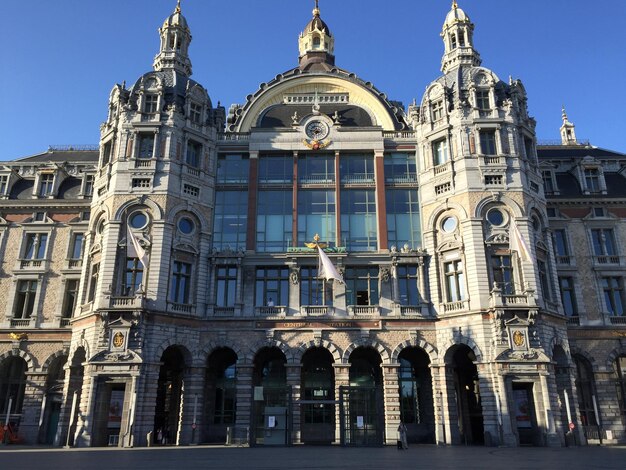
607 259
399 135
559 143
143 163
443 168
573 320
358 178
563 260
617 320
234 137
514 300
493 160
410 310
126 302
457 306
20 322
317 310
193 171
363 309
317 179
74 263
224 311
276 311
181 308
65 322
31 263
406 178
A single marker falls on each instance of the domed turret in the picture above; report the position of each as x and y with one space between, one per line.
458 39
316 43
175 40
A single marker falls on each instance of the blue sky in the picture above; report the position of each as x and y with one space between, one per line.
61 58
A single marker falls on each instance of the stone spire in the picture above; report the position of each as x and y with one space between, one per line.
568 130
316 42
458 39
175 40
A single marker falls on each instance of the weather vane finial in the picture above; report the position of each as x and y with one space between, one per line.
316 10
177 6
454 4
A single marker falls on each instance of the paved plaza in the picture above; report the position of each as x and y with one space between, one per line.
308 458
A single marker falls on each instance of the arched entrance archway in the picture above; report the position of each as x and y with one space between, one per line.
361 403
586 391
220 394
12 388
53 399
416 395
564 387
317 413
271 398
169 396
464 398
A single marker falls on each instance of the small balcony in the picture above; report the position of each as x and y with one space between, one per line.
500 300
317 310
224 312
21 322
443 168
617 320
573 320
607 260
564 260
144 163
277 311
453 307
32 264
119 302
363 310
180 308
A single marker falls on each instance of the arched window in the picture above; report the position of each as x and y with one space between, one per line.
12 387
585 391
317 43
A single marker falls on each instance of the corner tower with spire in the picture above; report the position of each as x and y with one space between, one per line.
458 38
316 42
175 40
568 130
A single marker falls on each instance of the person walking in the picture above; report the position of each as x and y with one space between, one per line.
402 441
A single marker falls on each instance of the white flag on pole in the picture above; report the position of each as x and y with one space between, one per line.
326 268
139 251
517 242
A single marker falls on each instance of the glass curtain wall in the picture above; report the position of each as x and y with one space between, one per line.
403 218
358 220
274 221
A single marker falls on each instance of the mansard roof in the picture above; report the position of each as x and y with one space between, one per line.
59 156
576 151
174 84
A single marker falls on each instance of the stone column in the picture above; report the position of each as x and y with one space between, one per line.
31 408
552 438
244 396
193 397
442 435
342 378
392 402
146 387
294 376
84 416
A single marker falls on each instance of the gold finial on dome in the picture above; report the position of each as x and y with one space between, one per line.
177 7
316 10
454 4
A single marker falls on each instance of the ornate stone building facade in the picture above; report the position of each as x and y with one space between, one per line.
166 287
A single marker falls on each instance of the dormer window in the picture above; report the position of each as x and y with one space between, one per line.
482 100
453 41
548 182
195 113
592 180
46 185
88 189
106 153
150 103
437 110
4 182
317 43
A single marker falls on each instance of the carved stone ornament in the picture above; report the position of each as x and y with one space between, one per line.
385 273
294 276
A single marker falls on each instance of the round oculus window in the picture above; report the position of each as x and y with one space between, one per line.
449 224
496 217
138 220
317 130
186 225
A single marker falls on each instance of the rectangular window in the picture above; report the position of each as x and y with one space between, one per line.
407 285
226 286
180 287
69 299
548 182
362 286
316 215
133 277
482 100
275 169
493 180
106 153
502 272
568 296
25 299
455 281
613 288
403 218
93 282
195 113
4 181
561 246
46 184
274 227
76 246
140 183
603 242
542 268
400 168
89 179
194 154
488 142
314 291
35 246
437 110
358 220
529 146
592 180
318 169
232 169
150 103
357 169
440 152
443 188
146 146
272 287
230 223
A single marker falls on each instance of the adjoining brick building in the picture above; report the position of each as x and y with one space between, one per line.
166 286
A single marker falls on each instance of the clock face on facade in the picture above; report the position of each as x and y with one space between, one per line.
317 130
118 340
